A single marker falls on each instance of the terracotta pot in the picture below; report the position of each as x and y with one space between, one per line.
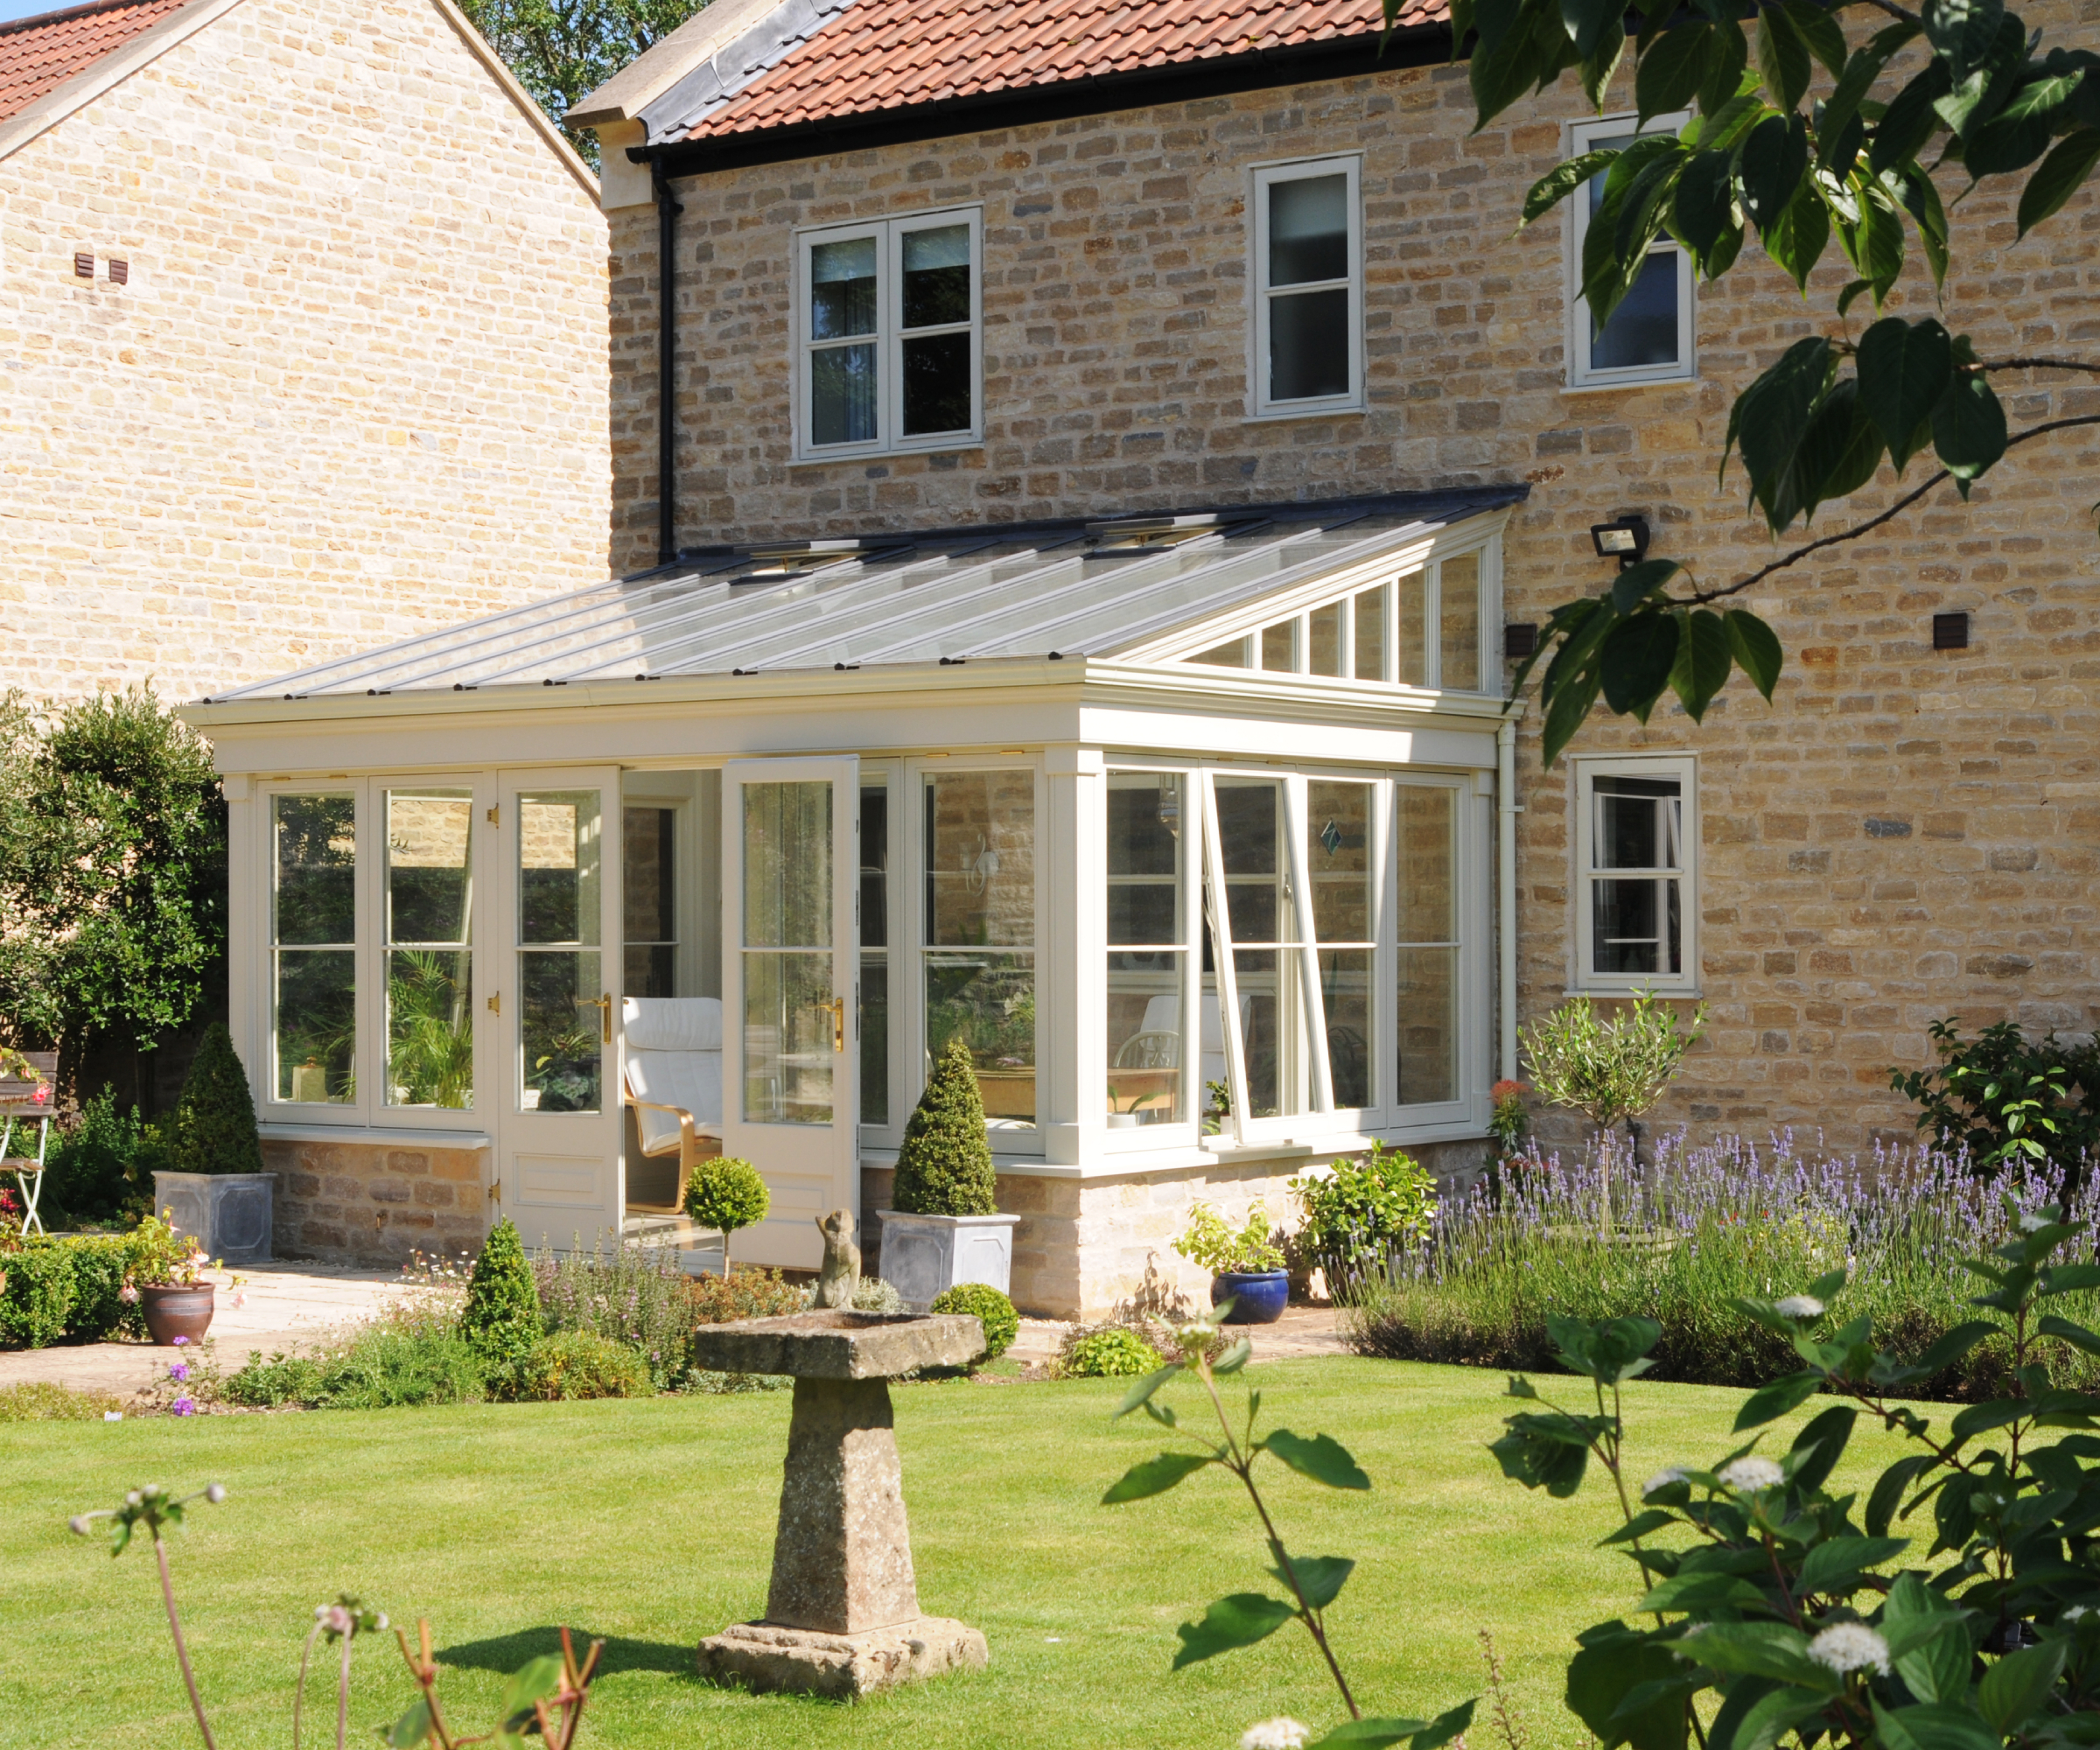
172 1312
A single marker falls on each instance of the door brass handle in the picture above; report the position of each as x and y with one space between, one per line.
837 1006
603 1003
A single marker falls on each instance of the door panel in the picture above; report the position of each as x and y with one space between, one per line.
557 989
790 868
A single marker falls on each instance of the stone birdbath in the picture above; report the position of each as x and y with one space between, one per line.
842 1615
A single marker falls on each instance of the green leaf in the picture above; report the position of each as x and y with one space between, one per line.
1769 1403
1565 715
1782 57
2075 1334
1761 1649
1700 1592
1704 206
1772 413
1321 1458
1819 32
1141 1392
2059 176
1757 649
1672 70
1861 70
1704 659
1321 1577
1965 31
1838 455
2067 1278
1588 23
2005 144
2014 1688
1234 1359
1949 1347
1561 181
1636 661
1240 1620
1904 370
532 1682
1798 236
1155 1476
1727 80
413 1728
1602 1676
1968 428
1636 582
1775 159
1823 1442
1538 1452
1836 1565
1927 1641
1642 1524
1769 1714
1910 120
1419 1735
1921 201
1933 1727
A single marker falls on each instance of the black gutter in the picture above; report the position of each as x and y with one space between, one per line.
667 210
1094 95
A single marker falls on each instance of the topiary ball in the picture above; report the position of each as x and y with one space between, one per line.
501 1316
1112 1354
984 1302
726 1193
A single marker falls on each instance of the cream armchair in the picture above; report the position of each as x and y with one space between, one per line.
674 1080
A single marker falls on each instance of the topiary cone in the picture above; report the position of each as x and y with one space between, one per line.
216 1116
501 1316
944 1165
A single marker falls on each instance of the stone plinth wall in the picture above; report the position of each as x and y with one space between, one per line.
374 1203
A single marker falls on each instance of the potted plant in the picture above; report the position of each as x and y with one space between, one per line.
165 1280
1246 1265
217 1188
946 1228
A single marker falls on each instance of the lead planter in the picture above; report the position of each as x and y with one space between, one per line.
923 1256
227 1213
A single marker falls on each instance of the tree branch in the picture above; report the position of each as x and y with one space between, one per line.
1896 11
2092 369
1699 597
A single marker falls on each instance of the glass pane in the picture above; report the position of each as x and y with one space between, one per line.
1643 329
560 1030
980 860
936 383
1249 810
874 1038
1145 856
1232 656
1337 859
1428 1025
1345 989
429 869
1278 647
316 1020
1634 927
1145 1038
558 850
1638 822
1308 345
652 970
987 1001
788 1033
1414 629
1326 655
842 394
874 865
431 1028
1459 623
842 289
1270 1003
936 276
316 896
648 868
1309 229
788 865
1424 821
1370 635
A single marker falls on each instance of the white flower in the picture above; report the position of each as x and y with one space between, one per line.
2033 1221
1279 1733
79 1524
1751 1473
215 1493
1662 1480
2074 1612
1799 1306
1850 1647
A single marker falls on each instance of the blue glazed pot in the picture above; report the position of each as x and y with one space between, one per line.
1258 1296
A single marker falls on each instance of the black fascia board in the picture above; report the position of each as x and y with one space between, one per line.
1096 94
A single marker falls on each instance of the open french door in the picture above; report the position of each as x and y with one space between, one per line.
553 1000
791 939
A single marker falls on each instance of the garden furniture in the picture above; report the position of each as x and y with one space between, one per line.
26 1100
674 1082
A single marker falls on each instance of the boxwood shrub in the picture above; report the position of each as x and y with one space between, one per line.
982 1301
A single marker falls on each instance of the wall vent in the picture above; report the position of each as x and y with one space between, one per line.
120 273
1519 641
83 265
1950 630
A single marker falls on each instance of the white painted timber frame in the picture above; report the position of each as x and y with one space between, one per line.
1584 773
1578 137
1260 294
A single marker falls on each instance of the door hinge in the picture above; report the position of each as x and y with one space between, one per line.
495 1003
495 815
495 1192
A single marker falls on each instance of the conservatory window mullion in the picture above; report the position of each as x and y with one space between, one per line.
1220 915
1315 1029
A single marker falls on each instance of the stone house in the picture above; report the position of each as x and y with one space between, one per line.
1036 342
302 328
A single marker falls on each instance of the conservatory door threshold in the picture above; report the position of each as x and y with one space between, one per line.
396 1136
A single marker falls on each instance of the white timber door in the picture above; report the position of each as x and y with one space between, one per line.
790 1057
556 998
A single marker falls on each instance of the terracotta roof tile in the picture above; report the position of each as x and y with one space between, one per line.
39 54
891 54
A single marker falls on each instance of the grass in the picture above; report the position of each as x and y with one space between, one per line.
650 1522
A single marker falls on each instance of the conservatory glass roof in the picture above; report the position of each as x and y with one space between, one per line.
1098 589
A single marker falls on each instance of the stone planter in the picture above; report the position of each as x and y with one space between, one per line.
172 1312
923 1256
1258 1296
227 1213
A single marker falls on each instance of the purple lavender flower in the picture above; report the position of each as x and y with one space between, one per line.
183 1406
179 1373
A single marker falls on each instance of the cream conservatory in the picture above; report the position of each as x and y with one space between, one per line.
1193 829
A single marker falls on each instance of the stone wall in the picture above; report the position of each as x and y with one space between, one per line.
373 1203
1902 834
352 386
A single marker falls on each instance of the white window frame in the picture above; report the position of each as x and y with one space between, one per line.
1262 178
888 337
1684 768
1579 137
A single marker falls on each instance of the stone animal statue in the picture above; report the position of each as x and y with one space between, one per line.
841 1273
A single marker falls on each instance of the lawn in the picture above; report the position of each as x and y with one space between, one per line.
650 1524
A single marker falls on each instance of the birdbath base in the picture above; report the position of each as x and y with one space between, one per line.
841 1614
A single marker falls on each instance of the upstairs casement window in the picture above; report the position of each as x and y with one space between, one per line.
1308 288
1637 851
1649 338
890 336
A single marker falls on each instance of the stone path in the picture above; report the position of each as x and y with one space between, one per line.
283 1307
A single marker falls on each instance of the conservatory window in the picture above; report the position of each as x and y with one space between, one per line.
1637 844
1339 871
875 954
649 900
313 947
1148 948
1308 288
1425 839
559 850
979 941
1267 955
890 337
429 903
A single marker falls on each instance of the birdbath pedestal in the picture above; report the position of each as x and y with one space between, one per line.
842 1615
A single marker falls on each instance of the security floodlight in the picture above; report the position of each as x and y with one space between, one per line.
1625 540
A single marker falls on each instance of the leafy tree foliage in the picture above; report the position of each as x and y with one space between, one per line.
2008 1099
562 50
1903 124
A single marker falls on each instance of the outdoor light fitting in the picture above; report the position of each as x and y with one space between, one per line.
1625 540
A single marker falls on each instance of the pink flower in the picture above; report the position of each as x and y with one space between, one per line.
182 1406
128 1294
180 1342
